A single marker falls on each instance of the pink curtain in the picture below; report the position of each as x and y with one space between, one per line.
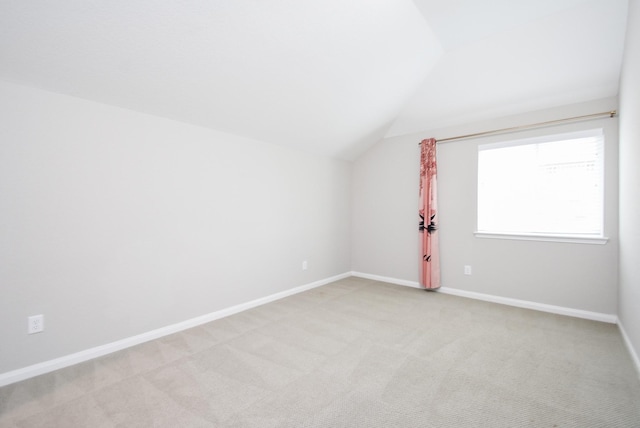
430 256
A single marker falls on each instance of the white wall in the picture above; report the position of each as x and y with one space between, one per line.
629 301
114 223
385 237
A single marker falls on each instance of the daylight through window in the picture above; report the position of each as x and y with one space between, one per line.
543 186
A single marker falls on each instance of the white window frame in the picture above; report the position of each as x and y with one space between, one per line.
569 238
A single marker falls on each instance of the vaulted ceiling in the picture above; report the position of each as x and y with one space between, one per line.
331 77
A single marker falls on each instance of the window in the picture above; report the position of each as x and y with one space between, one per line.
549 186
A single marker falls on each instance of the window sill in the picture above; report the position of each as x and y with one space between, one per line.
544 238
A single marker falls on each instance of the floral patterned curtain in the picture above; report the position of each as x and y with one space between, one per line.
430 253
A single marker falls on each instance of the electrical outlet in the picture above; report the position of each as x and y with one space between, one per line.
304 265
35 324
467 270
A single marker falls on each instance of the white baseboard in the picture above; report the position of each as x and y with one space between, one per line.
413 284
630 348
560 310
88 354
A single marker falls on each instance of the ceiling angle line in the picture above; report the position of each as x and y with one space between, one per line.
610 114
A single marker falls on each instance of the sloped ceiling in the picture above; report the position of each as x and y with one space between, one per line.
506 57
331 77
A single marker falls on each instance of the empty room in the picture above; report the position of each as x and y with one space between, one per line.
408 213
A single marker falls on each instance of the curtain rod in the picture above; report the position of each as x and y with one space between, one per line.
611 113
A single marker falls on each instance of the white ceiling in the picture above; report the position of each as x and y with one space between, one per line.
329 77
505 57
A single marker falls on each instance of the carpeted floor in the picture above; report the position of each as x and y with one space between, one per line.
355 353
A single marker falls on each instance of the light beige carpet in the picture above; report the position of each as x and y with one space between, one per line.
355 353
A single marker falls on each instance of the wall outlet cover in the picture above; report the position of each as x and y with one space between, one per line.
35 324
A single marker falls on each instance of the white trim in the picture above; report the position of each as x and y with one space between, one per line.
544 238
543 307
630 348
560 310
390 280
98 351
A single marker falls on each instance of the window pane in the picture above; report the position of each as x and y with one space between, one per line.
546 187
